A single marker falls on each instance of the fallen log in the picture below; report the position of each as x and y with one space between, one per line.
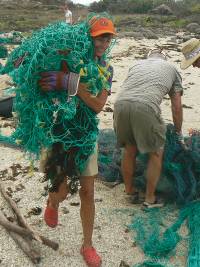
33 234
13 227
20 218
23 243
22 233
26 248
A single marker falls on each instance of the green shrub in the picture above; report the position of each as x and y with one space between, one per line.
195 9
179 23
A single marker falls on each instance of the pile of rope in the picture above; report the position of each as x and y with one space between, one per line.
45 119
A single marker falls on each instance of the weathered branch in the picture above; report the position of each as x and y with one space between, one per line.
30 232
24 243
13 227
29 251
20 218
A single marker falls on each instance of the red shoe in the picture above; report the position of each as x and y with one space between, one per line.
91 257
51 216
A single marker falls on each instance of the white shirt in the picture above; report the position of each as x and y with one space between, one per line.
68 16
148 81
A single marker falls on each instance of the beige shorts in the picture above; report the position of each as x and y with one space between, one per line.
91 166
137 124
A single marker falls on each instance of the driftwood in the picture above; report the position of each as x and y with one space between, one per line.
27 247
16 232
14 228
22 222
23 233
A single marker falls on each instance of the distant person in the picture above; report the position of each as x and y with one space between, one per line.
191 52
138 123
68 14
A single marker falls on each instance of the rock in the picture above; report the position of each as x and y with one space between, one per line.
149 34
192 27
173 39
65 210
124 264
136 35
197 30
162 10
108 109
34 211
186 38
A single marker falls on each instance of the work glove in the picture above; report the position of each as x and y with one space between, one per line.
60 81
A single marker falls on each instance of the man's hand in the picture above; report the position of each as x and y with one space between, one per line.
180 140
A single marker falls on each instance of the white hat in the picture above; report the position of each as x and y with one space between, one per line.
191 52
157 52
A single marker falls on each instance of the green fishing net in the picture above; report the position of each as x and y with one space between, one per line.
8 38
3 51
45 119
159 240
11 37
157 231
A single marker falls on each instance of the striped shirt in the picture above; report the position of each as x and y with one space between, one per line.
106 73
103 74
148 81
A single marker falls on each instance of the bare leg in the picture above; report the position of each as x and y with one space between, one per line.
153 174
56 197
87 211
128 167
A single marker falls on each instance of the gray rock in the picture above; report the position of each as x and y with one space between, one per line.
173 39
186 38
197 30
192 27
162 10
136 35
149 34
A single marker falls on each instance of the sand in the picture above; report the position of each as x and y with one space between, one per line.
113 212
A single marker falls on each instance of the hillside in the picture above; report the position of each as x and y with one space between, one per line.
27 15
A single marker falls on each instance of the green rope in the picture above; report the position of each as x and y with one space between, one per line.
44 119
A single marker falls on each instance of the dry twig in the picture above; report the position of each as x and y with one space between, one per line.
23 232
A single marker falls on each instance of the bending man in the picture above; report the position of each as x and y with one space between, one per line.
138 123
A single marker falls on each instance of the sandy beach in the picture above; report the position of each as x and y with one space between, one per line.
113 212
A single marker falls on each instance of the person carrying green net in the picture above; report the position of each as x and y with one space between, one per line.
102 32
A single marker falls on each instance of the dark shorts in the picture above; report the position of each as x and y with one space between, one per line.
137 124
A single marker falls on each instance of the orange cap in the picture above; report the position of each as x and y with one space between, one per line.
100 26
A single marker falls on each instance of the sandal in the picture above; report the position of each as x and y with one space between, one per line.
158 203
135 198
51 216
91 257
